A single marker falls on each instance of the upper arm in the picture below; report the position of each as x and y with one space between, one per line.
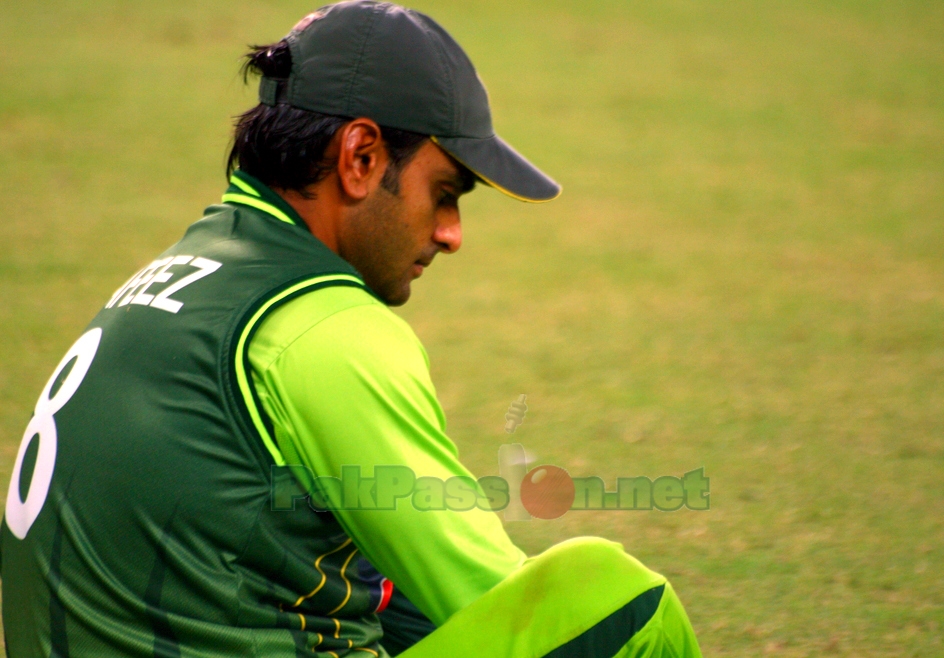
354 390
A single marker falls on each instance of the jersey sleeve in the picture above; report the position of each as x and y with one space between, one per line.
353 389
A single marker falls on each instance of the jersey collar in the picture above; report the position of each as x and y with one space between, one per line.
247 190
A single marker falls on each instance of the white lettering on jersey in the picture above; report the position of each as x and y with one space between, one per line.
134 291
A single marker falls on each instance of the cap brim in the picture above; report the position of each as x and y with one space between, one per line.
500 166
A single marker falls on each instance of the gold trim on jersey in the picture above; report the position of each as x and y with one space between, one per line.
324 576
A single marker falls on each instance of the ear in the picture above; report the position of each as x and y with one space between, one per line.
362 158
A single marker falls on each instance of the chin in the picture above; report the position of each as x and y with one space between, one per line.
397 297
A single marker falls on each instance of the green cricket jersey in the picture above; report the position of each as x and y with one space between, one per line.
140 517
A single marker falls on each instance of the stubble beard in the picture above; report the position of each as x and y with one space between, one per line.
380 248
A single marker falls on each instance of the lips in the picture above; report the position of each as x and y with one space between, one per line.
422 263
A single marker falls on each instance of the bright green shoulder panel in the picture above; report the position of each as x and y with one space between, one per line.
344 360
375 324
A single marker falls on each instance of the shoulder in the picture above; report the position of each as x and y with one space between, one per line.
339 322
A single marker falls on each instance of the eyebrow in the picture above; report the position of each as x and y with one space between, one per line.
462 179
468 179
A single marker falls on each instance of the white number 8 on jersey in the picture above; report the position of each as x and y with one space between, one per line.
22 513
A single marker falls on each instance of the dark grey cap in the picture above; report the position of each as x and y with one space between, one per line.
401 69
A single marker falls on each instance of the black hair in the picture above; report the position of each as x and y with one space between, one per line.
284 146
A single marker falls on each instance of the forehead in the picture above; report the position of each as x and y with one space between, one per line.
434 160
439 166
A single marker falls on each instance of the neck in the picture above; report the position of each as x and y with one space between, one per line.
318 211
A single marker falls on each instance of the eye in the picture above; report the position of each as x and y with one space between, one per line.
447 198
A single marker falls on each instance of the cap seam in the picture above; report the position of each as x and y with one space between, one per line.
295 73
440 55
360 57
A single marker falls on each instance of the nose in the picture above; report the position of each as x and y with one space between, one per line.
448 233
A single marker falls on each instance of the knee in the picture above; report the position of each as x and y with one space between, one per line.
603 562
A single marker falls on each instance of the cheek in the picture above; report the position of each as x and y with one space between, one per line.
399 240
379 240
418 223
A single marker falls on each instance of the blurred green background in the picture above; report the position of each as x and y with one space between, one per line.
745 271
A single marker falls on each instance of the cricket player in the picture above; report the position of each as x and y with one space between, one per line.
158 500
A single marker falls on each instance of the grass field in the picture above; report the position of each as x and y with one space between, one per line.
745 271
